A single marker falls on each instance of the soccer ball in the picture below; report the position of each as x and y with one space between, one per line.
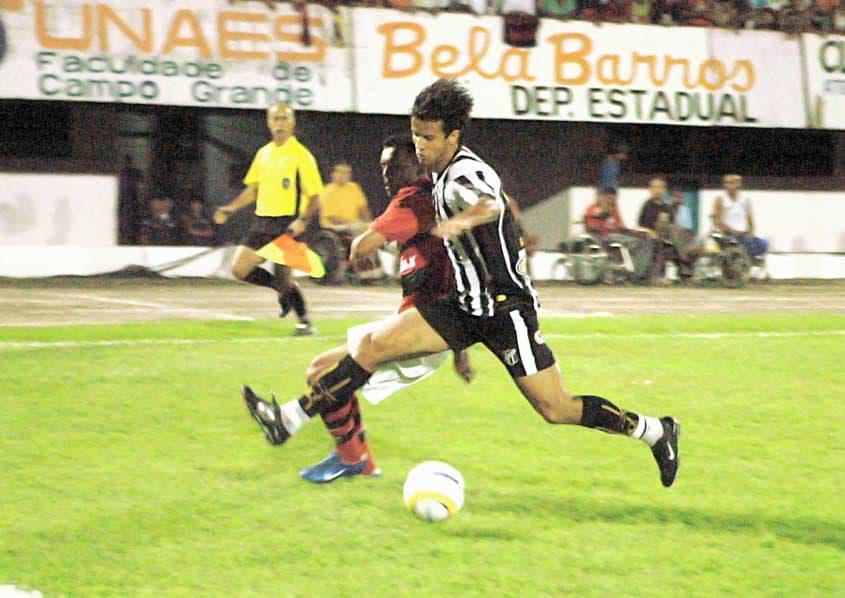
434 491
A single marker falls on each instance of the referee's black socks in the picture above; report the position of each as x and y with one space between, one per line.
335 388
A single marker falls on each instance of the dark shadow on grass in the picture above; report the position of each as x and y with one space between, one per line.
800 530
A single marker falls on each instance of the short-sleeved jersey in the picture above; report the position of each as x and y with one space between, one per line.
286 177
423 264
342 204
489 261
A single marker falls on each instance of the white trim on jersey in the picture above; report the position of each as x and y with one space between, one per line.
523 343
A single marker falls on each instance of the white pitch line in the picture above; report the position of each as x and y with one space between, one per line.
10 345
162 307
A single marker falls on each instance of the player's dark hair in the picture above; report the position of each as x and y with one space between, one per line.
399 141
444 100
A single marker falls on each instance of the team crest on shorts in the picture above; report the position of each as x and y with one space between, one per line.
510 356
285 183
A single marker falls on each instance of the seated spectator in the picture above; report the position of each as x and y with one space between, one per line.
732 214
159 227
603 220
655 214
197 228
343 205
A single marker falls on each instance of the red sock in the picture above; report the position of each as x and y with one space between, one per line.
344 423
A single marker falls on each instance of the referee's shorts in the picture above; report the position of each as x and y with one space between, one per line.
264 229
512 333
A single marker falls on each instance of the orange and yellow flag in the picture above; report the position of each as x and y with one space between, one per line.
287 251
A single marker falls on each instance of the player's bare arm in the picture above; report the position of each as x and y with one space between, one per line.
486 210
248 196
364 246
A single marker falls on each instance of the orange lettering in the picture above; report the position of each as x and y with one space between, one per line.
195 38
437 64
716 67
226 35
574 58
63 43
317 50
143 42
410 49
521 58
750 78
614 78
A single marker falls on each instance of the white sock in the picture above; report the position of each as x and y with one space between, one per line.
293 416
649 430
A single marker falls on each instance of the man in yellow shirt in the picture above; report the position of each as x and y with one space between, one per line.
285 184
343 205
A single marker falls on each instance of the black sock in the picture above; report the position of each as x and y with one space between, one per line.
334 388
294 298
597 412
261 277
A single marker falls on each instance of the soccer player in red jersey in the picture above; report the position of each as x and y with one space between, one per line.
426 275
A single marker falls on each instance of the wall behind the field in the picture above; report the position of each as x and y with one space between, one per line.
792 221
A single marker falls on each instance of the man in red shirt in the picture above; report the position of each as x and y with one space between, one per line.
603 220
602 217
425 273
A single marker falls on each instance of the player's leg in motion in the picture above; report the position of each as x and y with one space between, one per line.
547 394
332 388
245 267
291 297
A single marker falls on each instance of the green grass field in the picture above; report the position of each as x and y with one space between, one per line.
131 468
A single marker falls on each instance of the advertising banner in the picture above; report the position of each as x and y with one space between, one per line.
582 72
189 53
825 59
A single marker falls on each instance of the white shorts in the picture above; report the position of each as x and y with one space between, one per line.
393 376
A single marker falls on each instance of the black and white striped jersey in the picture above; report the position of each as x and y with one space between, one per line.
489 261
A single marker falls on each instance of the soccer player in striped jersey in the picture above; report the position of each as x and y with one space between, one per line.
494 303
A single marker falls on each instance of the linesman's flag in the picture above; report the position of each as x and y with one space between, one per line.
287 251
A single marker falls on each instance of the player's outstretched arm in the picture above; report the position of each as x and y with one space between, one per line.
364 246
483 211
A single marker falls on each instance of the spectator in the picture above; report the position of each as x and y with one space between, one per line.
160 228
610 173
733 215
561 9
196 226
656 214
682 213
603 220
343 205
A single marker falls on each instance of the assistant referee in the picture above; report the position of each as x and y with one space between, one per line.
285 184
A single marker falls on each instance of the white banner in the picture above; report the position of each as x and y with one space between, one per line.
579 71
190 52
58 209
825 58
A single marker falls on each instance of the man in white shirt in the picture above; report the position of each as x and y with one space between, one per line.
733 215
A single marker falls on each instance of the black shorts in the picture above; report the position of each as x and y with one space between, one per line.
264 229
512 334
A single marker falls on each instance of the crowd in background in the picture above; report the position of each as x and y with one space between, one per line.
789 16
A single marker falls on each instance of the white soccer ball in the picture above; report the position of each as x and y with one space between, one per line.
434 491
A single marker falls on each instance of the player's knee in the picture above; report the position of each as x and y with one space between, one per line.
369 352
240 271
316 369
